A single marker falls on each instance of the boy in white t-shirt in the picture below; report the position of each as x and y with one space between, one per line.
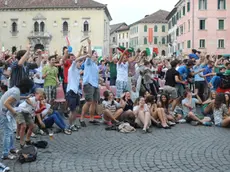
25 116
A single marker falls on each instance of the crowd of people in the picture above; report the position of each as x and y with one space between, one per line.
148 92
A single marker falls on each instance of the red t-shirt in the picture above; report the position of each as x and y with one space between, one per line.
67 65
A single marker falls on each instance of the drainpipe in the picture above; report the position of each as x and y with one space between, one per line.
193 12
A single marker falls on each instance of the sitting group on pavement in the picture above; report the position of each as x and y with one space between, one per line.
148 92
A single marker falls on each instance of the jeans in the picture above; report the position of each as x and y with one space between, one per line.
6 123
215 81
56 118
200 85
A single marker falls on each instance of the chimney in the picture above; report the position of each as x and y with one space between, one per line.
146 15
75 1
6 2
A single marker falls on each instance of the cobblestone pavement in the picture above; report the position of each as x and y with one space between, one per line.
181 149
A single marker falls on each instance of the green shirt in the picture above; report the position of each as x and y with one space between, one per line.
113 70
51 78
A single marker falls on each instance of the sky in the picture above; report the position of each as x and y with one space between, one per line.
130 11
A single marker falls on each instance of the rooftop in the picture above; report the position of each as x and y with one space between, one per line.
157 17
117 26
39 4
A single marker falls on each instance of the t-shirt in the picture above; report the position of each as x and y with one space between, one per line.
19 72
132 70
67 64
218 114
184 72
128 105
197 76
111 107
207 71
186 110
103 70
27 108
113 70
170 77
51 78
122 71
91 73
13 92
73 78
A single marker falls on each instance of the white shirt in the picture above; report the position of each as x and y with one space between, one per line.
27 108
73 78
39 71
122 71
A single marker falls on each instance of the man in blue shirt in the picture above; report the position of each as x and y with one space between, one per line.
91 86
184 72
208 70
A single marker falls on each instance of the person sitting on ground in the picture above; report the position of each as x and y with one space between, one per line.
143 117
112 109
157 114
219 110
49 117
208 104
189 109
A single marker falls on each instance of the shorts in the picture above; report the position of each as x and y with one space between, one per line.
122 86
51 92
26 118
170 91
91 93
73 100
180 89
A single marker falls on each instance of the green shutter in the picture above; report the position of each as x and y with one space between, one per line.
145 41
188 6
199 4
189 44
145 28
163 40
155 40
205 7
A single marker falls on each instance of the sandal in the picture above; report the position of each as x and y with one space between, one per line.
95 122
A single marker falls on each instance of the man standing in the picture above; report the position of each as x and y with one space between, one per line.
113 68
91 86
50 76
73 97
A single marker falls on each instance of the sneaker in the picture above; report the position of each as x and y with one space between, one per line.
194 123
170 123
182 121
148 130
14 151
33 135
77 126
82 123
209 124
95 122
29 142
73 128
9 157
4 168
67 132
17 137
143 131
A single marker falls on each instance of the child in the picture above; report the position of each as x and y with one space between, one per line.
7 113
25 118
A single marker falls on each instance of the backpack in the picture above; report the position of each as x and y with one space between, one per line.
41 144
225 82
28 154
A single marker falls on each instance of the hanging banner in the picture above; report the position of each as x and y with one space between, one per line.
150 35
